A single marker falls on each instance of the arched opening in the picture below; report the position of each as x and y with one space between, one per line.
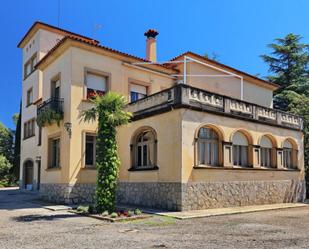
28 175
144 149
241 149
208 146
268 153
289 154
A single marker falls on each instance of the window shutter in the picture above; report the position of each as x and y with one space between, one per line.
138 89
96 82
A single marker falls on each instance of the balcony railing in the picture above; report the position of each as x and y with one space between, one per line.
199 99
55 104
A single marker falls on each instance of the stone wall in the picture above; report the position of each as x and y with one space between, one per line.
204 195
161 195
186 196
68 194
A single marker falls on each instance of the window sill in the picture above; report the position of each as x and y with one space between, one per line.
28 75
144 168
87 100
25 138
89 168
201 166
53 168
243 168
30 104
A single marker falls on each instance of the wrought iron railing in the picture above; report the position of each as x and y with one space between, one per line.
55 104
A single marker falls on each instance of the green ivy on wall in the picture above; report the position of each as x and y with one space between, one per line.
109 111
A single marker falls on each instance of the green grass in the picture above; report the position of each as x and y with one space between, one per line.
157 221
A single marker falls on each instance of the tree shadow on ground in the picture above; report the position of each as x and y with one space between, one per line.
34 217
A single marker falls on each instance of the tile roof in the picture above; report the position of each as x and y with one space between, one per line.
56 29
98 46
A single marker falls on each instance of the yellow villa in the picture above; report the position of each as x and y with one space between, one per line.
203 134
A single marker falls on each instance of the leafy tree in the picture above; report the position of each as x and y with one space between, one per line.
5 167
6 142
110 113
15 118
289 61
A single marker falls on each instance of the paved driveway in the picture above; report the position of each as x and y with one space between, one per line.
25 224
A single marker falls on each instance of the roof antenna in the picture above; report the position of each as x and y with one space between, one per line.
58 13
96 27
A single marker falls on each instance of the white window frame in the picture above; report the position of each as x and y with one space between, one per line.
208 149
94 149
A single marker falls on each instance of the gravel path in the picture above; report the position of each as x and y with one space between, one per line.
24 224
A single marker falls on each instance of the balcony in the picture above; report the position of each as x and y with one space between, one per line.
184 96
49 111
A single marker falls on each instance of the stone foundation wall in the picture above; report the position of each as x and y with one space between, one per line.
185 196
161 195
206 195
68 194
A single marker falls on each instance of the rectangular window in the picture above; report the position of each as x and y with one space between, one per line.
54 152
29 66
29 128
90 148
240 155
29 100
40 136
55 87
96 84
287 158
266 157
137 92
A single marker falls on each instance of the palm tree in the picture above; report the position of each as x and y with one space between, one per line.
109 111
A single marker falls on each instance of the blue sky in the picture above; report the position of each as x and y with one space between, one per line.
237 30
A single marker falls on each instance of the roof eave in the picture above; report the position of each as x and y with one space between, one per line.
37 25
130 58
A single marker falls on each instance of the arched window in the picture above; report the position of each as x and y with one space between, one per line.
208 147
240 149
287 154
144 149
266 152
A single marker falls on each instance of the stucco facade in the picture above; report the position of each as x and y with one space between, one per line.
172 175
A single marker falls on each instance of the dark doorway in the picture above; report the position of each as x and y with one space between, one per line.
28 175
39 174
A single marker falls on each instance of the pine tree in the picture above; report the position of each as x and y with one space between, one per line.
289 62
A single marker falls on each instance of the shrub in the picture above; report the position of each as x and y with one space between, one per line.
137 211
92 209
130 213
105 213
83 209
114 215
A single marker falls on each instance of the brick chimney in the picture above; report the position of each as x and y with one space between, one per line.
151 45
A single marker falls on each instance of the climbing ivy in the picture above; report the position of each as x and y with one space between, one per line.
109 111
49 116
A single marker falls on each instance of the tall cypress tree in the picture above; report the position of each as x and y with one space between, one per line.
289 63
16 161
